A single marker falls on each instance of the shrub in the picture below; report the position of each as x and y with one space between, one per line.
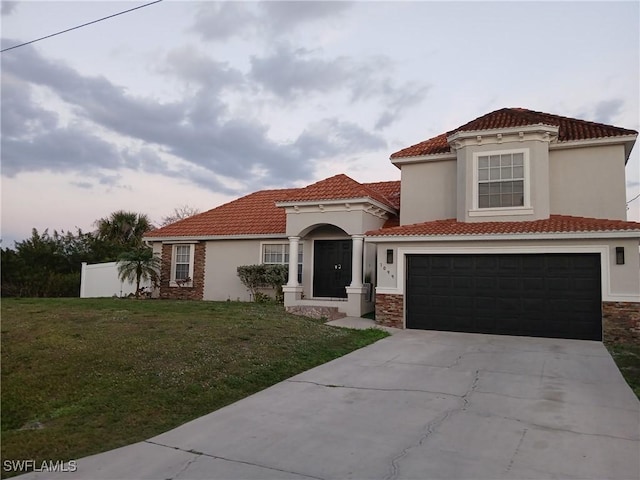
259 276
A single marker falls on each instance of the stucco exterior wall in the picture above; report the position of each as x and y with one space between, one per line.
222 260
619 282
353 222
588 182
538 186
428 191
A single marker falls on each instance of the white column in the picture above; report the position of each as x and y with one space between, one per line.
83 280
293 261
356 260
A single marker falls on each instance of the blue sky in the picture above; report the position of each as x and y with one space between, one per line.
198 103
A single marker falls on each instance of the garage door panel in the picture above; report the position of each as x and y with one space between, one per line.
509 263
483 284
507 283
555 295
534 284
533 264
462 264
487 263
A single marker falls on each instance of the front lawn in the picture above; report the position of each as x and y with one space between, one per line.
81 376
627 357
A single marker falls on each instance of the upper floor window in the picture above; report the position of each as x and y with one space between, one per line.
501 180
502 183
182 265
278 253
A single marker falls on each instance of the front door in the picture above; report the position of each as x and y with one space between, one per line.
331 268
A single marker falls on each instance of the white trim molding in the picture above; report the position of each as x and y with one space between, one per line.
602 250
192 251
525 209
505 236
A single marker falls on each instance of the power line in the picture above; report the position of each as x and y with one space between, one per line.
634 198
80 26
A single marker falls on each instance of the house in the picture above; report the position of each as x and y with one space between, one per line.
514 223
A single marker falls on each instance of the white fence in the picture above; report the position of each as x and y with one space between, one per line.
101 280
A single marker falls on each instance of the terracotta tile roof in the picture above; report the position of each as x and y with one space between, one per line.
338 187
554 224
257 213
253 214
391 191
569 129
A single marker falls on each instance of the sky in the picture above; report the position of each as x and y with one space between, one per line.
197 103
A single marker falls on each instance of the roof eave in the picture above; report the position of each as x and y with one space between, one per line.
537 127
199 238
339 201
436 157
627 140
511 236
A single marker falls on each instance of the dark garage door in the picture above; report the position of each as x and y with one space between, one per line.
538 295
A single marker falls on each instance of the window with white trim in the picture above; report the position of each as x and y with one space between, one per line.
278 253
501 179
182 265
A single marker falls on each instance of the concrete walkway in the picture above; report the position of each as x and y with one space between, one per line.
360 323
415 405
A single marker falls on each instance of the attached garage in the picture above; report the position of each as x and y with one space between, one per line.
541 295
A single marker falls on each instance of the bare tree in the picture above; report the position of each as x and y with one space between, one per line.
179 213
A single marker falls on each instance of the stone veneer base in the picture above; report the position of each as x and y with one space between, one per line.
621 322
196 292
390 310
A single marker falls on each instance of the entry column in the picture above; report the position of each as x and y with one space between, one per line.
356 292
294 243
356 260
292 290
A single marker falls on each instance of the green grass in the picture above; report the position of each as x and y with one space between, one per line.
81 376
627 357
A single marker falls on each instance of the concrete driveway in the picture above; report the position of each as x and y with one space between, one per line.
420 405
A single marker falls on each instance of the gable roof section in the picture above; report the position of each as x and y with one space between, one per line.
569 129
256 214
391 190
554 224
338 187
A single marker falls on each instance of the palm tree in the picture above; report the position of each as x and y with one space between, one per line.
124 228
139 264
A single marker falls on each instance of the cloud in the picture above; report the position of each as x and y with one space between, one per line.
59 150
21 116
190 65
85 185
398 100
223 20
331 137
218 21
8 7
193 137
607 110
282 16
291 74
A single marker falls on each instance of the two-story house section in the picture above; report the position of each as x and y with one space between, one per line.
514 223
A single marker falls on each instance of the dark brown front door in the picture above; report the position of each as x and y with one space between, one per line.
331 268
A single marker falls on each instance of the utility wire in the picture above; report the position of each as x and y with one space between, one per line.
80 26
634 198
